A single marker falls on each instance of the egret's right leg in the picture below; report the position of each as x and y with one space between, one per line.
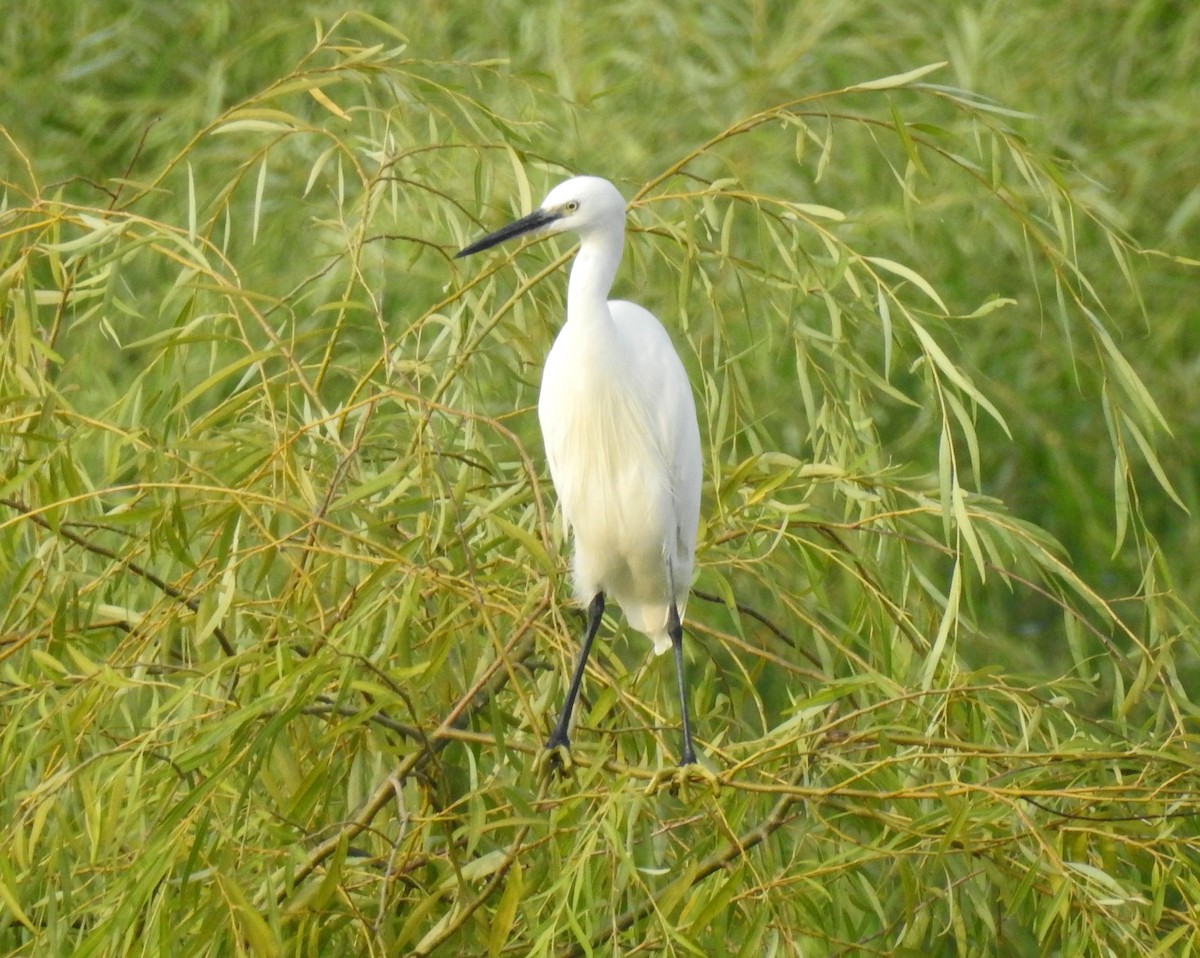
675 630
559 738
689 770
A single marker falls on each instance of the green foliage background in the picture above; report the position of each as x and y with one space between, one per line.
283 618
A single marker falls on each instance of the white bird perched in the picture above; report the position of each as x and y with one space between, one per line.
619 425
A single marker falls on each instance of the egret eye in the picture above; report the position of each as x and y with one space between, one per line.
571 206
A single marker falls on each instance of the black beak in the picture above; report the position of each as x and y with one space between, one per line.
526 224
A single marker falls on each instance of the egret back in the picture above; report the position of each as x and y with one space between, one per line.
623 444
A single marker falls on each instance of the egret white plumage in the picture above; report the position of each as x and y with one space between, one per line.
621 437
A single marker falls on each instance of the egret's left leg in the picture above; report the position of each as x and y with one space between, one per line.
556 756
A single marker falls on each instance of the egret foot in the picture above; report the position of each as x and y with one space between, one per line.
554 761
683 777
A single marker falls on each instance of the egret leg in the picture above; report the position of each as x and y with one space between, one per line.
675 631
559 737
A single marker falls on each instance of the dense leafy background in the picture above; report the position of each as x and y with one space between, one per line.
283 618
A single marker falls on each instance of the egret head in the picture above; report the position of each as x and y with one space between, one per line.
583 204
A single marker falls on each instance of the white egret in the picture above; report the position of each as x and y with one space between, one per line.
621 437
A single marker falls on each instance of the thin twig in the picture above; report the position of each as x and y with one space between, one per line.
475 698
735 849
135 568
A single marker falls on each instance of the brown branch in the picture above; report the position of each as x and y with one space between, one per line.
519 647
140 571
735 849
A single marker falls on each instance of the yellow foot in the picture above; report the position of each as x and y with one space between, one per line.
683 777
554 761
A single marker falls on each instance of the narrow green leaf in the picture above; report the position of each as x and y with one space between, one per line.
911 275
506 910
899 79
259 188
